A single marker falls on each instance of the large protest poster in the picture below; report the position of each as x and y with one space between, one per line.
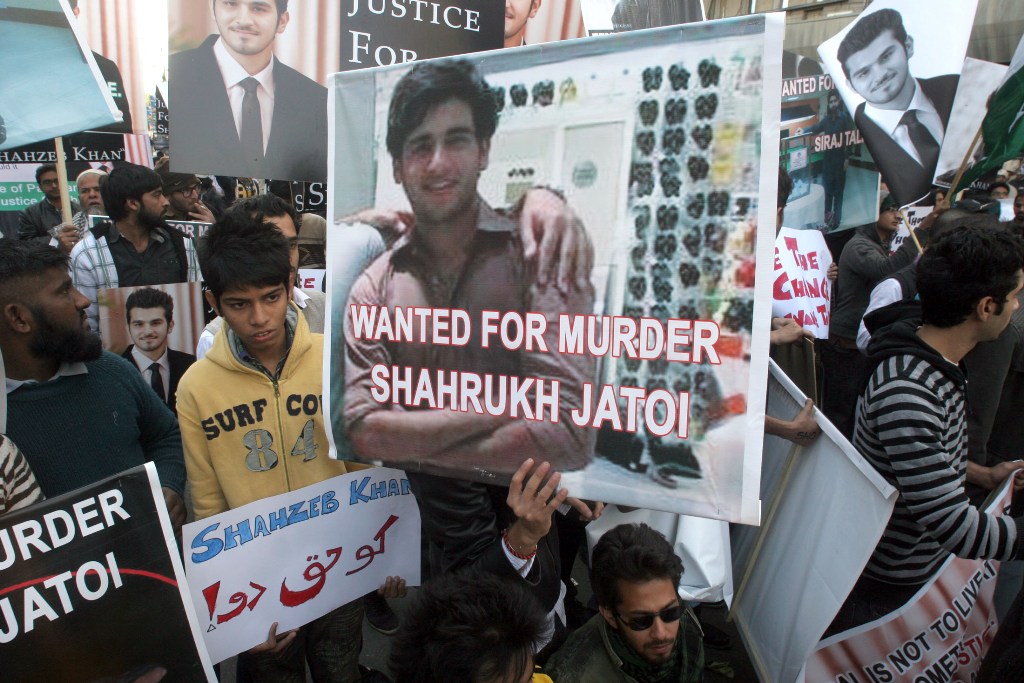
897 67
942 634
92 588
40 43
835 182
18 188
826 508
656 138
802 290
294 557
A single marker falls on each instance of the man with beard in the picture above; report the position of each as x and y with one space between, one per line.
182 191
88 183
150 316
79 413
137 248
643 632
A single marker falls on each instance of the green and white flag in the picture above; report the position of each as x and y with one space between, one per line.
1003 127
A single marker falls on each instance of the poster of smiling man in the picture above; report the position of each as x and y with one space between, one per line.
899 77
642 382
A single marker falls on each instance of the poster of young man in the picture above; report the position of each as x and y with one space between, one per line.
93 589
636 382
76 97
156 329
897 68
613 16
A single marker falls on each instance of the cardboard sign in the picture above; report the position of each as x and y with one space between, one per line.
295 557
802 290
663 168
91 587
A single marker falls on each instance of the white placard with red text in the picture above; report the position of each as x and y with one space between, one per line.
802 290
295 557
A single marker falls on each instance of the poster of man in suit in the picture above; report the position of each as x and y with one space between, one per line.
236 108
156 329
901 91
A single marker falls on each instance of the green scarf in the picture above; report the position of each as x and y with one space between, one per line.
639 669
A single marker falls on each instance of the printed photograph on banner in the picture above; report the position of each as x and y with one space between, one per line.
100 594
87 157
297 556
640 376
835 181
802 290
245 86
531 22
942 633
613 16
76 97
897 68
156 329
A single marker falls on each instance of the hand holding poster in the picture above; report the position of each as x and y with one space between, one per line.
802 289
897 68
463 359
91 587
295 557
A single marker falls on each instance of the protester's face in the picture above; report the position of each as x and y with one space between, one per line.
998 322
248 27
49 185
152 208
517 13
61 332
656 643
1018 208
89 194
833 104
441 162
999 193
149 328
257 316
889 220
184 201
286 226
880 72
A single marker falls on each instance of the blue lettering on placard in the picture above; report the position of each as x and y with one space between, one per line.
382 489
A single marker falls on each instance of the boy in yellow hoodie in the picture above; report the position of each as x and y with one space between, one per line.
252 424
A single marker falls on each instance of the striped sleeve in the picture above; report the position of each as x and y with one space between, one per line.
19 487
912 428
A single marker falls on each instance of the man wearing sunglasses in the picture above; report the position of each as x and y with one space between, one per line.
643 633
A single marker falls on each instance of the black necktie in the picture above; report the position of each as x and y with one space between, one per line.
156 381
926 145
252 122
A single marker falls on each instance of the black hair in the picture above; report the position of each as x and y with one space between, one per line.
785 188
1005 186
147 297
266 205
634 553
19 260
127 181
45 168
282 6
865 31
467 626
432 83
975 260
240 251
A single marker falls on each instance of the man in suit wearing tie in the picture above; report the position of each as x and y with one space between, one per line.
903 119
238 110
150 315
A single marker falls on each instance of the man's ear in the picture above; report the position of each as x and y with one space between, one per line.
485 153
609 617
170 326
534 8
909 44
18 318
282 21
396 170
133 205
985 308
212 300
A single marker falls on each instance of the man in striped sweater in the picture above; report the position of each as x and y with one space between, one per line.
911 422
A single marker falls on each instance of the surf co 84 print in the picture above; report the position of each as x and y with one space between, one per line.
295 557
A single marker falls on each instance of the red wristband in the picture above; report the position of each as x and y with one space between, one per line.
513 551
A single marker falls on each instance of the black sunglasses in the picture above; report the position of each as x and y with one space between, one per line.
644 622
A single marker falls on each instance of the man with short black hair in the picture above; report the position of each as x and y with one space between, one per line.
35 221
79 414
644 633
903 119
911 419
150 316
136 247
182 192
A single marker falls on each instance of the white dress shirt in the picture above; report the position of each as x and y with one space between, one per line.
65 370
145 364
233 74
890 120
